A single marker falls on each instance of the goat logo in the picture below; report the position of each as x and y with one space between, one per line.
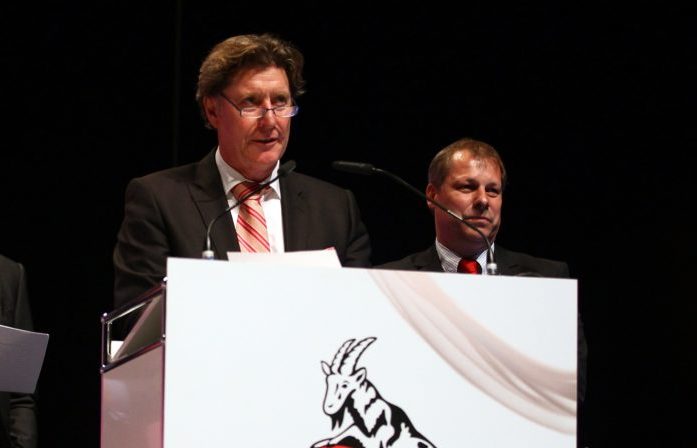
374 422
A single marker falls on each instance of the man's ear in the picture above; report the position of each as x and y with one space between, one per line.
210 106
431 193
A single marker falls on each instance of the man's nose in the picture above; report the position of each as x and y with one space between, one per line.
268 120
481 200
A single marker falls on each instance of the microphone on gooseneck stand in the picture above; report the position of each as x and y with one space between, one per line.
282 171
368 170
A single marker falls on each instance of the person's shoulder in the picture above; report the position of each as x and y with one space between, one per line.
404 264
174 174
523 264
7 264
10 275
181 173
426 260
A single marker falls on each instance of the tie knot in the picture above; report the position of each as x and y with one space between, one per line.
469 266
242 189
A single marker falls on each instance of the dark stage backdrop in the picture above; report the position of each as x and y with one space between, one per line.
592 109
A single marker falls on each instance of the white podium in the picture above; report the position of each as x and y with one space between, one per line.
255 355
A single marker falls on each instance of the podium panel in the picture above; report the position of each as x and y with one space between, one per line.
262 355
132 399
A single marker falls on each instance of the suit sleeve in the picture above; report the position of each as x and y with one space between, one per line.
358 242
23 427
142 245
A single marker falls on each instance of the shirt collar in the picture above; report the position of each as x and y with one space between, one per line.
449 259
231 177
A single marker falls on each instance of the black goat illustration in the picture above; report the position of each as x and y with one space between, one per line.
376 423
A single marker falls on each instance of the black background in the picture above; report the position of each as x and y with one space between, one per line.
592 109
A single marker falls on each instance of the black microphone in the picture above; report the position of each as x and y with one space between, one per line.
354 167
368 169
282 171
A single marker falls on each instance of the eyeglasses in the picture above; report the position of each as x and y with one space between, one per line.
260 111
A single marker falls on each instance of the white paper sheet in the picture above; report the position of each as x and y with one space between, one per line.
310 258
21 356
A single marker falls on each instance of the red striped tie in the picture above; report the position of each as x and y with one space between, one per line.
251 224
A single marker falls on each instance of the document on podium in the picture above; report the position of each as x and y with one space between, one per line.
21 356
310 258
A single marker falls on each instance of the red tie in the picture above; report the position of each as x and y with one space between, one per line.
469 266
251 224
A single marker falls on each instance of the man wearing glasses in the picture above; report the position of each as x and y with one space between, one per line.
246 92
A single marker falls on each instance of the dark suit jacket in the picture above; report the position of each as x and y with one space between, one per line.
166 214
509 263
17 411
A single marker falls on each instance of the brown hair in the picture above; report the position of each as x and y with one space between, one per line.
440 165
237 53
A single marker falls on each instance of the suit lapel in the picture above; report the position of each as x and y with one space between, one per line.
294 209
207 193
507 264
428 260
